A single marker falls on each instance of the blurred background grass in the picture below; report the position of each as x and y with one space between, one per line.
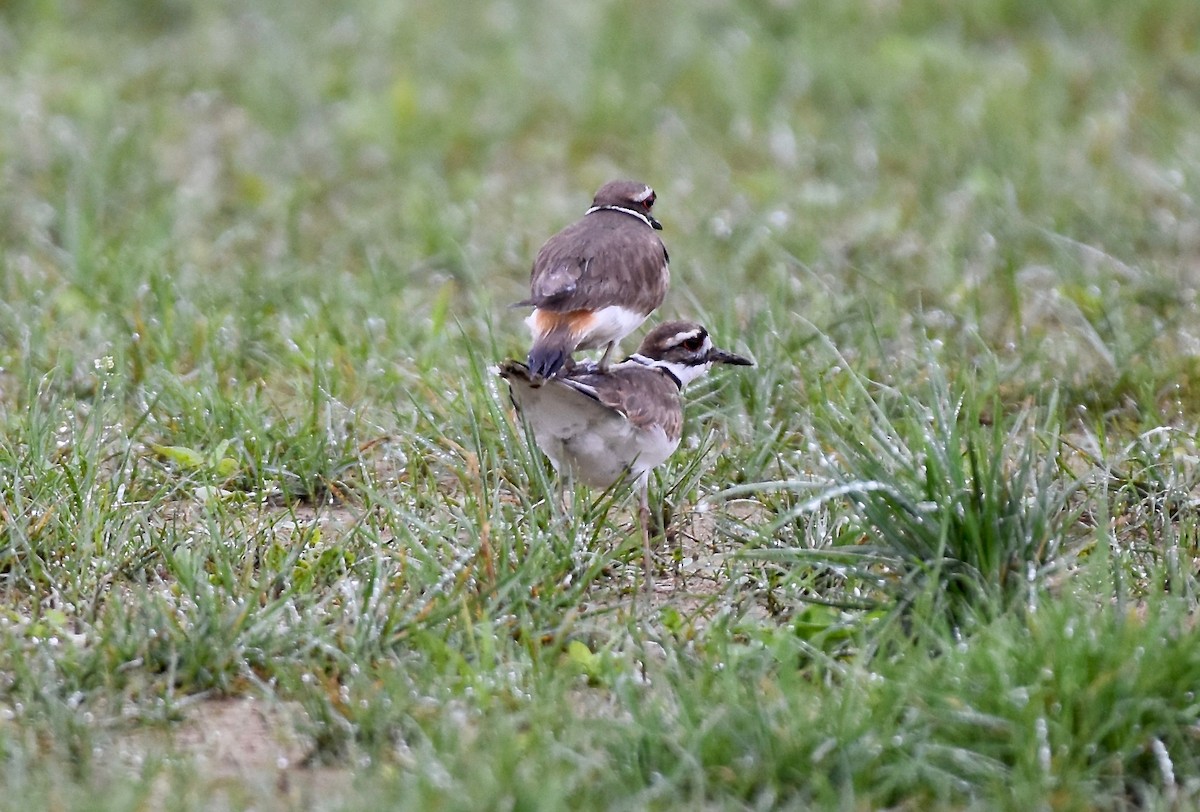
1019 176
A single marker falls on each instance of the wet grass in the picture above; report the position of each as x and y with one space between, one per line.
256 265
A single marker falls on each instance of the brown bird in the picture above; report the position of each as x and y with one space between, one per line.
596 281
600 426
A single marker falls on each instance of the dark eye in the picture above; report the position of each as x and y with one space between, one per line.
694 343
649 201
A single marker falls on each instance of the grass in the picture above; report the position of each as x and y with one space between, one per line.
270 537
961 505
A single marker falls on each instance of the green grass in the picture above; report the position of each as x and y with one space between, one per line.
937 550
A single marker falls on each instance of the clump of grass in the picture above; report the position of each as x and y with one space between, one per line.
257 441
951 501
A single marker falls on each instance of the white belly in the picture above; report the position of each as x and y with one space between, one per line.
588 441
602 455
610 323
607 324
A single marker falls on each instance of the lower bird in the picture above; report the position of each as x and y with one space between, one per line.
601 426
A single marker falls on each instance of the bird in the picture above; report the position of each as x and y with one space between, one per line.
597 280
601 426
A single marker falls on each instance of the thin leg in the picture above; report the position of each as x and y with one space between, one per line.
647 554
566 496
662 518
604 358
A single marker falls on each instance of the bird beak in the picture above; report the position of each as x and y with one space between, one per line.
657 225
718 356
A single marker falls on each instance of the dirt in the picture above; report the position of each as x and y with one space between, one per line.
701 562
243 752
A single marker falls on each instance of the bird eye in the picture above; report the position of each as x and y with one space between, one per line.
694 343
649 201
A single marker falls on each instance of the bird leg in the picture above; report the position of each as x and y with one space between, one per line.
660 520
604 358
647 554
566 496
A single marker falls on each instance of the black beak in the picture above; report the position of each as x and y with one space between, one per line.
718 356
657 225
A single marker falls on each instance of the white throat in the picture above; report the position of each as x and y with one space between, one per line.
622 209
684 373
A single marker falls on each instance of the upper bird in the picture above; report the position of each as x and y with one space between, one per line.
596 281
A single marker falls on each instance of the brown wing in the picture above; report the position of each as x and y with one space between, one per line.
557 409
645 396
606 258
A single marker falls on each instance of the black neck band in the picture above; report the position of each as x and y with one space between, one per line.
637 358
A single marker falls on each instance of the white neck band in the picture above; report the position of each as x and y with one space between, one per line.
622 209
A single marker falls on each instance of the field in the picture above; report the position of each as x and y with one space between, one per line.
271 538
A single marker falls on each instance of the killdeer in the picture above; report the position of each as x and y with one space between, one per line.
600 426
596 281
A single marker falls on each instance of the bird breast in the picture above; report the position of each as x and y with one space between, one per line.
604 455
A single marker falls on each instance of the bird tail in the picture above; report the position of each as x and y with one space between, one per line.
549 354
